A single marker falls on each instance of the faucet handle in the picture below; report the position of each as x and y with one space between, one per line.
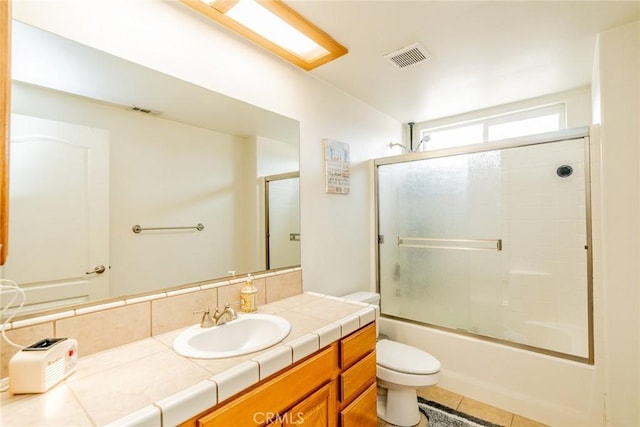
231 311
206 321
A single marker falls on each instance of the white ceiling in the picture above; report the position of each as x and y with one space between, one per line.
483 53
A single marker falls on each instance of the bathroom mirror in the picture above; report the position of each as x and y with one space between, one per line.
151 159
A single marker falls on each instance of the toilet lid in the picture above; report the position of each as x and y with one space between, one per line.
404 358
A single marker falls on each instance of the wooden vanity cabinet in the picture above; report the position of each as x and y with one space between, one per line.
334 387
5 101
357 380
362 411
316 410
270 400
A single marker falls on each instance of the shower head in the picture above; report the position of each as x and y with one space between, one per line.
426 138
408 150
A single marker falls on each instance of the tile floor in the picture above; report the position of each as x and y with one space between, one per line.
471 407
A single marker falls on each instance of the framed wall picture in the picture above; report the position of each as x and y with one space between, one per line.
336 167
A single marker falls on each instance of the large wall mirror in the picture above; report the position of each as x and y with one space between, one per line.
125 181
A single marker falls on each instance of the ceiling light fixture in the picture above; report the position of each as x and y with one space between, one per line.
274 26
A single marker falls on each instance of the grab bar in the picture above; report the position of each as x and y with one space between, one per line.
137 229
462 244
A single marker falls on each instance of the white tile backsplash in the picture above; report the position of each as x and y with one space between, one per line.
42 319
183 291
99 307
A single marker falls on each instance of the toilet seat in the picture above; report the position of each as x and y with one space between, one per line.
391 379
405 359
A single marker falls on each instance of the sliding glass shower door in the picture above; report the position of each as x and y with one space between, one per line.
492 243
282 220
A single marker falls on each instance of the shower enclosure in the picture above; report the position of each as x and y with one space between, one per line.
282 220
491 240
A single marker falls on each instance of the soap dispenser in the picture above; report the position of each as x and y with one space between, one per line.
248 294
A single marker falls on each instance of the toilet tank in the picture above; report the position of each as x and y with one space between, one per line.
366 297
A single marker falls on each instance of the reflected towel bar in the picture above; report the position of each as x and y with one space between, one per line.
137 229
462 244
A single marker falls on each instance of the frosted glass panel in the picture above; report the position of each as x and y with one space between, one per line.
490 243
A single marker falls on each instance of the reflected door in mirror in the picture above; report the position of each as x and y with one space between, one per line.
59 209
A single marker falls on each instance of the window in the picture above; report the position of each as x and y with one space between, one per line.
520 123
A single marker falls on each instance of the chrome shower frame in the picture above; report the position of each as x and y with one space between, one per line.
538 139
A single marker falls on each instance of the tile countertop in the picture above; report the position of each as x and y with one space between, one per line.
146 383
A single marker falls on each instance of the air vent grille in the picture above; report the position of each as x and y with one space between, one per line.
145 110
408 56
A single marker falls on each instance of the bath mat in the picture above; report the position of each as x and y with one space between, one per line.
442 416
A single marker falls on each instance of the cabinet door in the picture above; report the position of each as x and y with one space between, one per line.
264 403
317 410
362 412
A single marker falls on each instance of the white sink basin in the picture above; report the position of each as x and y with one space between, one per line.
246 334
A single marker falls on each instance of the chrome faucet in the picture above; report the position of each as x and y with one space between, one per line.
228 314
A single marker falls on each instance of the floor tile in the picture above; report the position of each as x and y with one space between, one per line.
471 407
440 395
519 421
485 412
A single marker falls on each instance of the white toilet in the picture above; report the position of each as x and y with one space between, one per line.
401 370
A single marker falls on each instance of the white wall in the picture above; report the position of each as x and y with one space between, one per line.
617 93
169 37
161 176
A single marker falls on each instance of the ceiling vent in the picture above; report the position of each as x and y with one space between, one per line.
146 111
408 56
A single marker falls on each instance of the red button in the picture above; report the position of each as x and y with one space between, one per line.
70 353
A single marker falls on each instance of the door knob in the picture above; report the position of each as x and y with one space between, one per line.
98 270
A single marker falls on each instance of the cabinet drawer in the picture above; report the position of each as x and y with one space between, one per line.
357 378
362 412
317 410
276 395
356 345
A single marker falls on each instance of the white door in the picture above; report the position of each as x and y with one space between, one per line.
58 212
